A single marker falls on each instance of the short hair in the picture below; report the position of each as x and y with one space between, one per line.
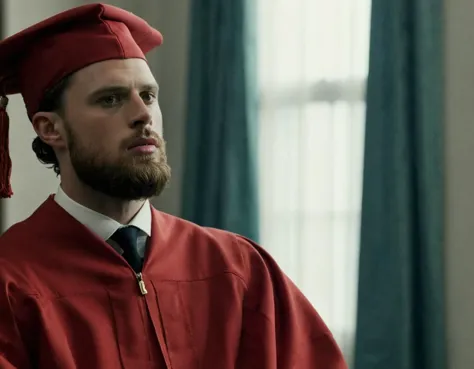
53 101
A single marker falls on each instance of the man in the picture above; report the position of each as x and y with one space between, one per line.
98 278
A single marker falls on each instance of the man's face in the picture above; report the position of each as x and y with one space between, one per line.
114 129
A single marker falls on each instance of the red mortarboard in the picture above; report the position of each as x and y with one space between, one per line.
35 59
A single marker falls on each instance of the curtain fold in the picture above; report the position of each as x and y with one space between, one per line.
219 186
400 320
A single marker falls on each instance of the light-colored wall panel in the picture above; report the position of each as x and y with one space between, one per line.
172 76
459 155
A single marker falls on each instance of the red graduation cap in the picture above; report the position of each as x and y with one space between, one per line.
35 59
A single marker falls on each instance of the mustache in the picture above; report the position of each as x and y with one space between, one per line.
147 135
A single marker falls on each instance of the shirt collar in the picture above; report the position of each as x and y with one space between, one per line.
99 223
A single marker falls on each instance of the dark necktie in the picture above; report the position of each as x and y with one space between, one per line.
127 238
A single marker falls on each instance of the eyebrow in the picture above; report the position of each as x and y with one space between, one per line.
120 89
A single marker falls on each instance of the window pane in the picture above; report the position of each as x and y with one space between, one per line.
312 40
311 147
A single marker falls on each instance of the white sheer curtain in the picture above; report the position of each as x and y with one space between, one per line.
313 62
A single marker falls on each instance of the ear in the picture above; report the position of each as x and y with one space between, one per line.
50 129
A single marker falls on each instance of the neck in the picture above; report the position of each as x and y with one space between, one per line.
120 210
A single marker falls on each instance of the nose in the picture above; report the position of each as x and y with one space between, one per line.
140 112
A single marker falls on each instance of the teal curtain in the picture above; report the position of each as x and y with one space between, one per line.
400 319
219 184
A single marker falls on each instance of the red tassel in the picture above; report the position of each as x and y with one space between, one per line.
5 160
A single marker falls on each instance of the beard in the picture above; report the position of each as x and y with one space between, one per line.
129 178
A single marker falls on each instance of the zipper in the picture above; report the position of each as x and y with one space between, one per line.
141 284
157 330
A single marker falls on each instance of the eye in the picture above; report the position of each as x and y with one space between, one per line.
110 100
148 97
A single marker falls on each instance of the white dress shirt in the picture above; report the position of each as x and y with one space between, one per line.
105 227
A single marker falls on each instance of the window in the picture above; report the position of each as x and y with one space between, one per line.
312 66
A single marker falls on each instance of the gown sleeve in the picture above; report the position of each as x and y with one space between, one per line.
12 351
280 327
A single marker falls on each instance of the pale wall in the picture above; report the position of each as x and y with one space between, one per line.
31 181
172 76
459 131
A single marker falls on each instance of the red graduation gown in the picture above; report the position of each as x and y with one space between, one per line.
207 299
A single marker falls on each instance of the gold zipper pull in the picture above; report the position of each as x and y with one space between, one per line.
141 284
